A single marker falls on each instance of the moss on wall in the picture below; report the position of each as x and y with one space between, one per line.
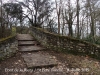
65 43
7 39
4 51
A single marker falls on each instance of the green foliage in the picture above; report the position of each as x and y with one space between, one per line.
23 29
95 40
13 30
7 38
13 9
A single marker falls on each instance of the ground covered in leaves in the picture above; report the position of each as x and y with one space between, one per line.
68 64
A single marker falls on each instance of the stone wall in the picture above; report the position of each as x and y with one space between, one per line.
8 46
65 44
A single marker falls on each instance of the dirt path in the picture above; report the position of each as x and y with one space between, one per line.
67 62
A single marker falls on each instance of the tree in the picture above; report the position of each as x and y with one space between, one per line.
37 11
1 19
69 17
14 10
78 9
92 15
58 10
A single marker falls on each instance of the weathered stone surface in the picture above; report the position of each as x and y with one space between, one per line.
8 50
1 54
30 48
35 60
23 43
24 37
55 42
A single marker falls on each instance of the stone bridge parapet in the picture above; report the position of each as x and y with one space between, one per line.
65 44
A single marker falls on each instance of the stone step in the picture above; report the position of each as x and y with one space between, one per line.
39 60
28 43
24 37
30 48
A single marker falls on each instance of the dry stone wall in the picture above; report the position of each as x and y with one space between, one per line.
8 46
65 44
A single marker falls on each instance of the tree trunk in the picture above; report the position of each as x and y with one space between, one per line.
58 24
92 22
2 27
58 10
78 32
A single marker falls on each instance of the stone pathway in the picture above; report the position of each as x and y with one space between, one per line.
39 60
27 43
24 37
24 43
34 59
30 48
67 64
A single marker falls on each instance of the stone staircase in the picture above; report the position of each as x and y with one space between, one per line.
33 52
